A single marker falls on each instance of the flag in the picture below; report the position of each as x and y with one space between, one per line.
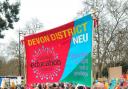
96 22
22 41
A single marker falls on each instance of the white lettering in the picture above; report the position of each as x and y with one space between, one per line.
80 39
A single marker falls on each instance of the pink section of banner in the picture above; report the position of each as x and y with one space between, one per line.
46 54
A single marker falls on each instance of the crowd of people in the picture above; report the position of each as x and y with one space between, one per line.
112 84
106 84
58 86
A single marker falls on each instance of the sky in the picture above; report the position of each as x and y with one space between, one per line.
51 13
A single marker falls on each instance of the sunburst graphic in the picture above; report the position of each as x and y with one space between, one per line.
38 73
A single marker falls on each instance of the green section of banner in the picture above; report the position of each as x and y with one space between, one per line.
82 73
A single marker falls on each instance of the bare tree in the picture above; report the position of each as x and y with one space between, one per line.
110 35
2 63
32 26
9 67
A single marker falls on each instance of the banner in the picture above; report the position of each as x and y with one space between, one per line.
115 72
62 54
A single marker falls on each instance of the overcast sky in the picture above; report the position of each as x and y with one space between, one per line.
51 13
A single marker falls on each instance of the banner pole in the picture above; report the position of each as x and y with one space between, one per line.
25 72
93 33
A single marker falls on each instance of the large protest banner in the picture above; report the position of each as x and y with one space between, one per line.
62 54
